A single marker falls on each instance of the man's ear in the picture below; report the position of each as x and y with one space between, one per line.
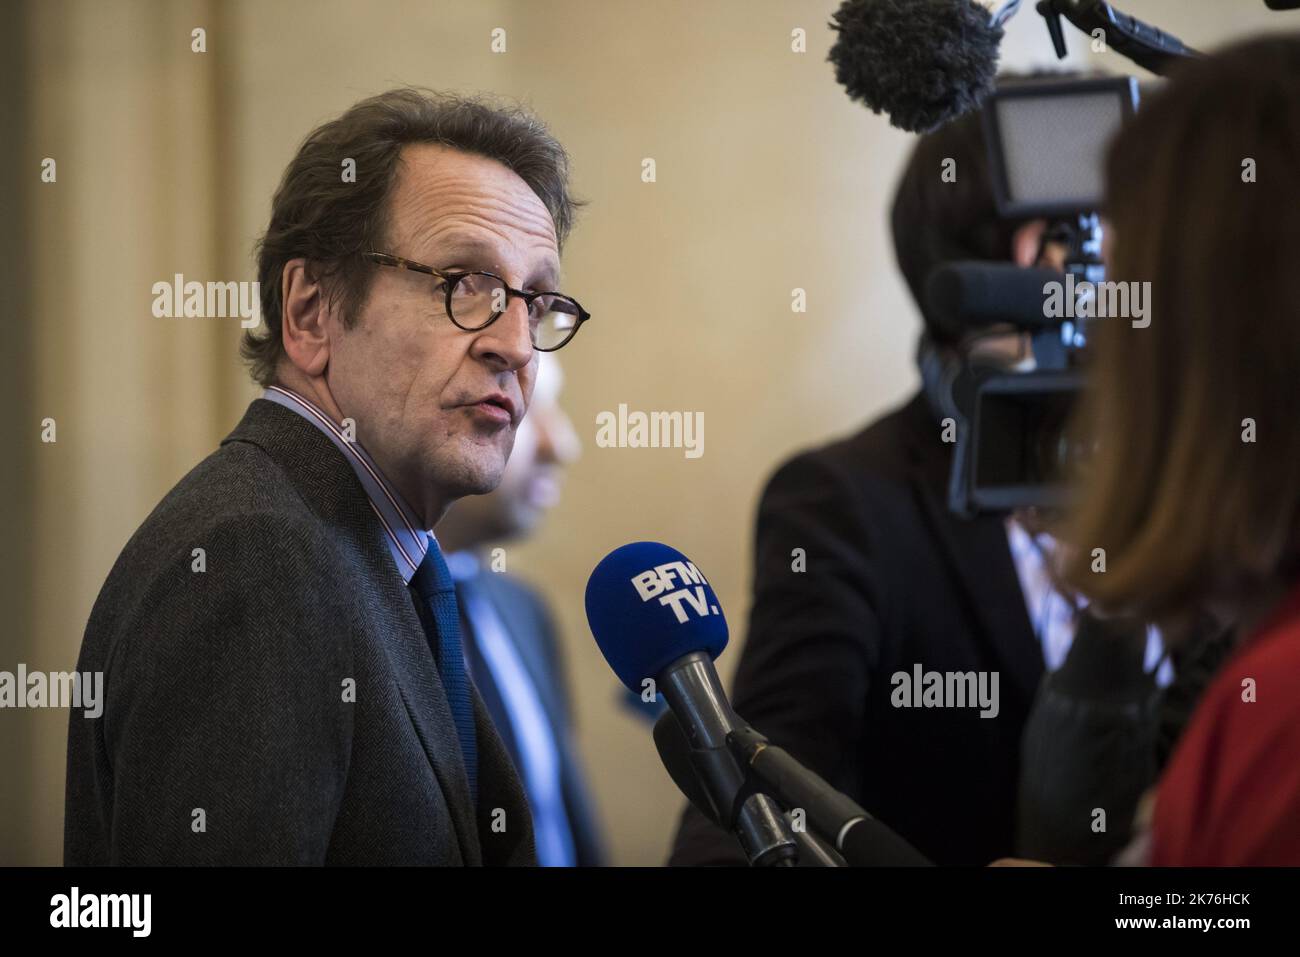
304 324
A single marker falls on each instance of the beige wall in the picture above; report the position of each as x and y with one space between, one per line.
768 179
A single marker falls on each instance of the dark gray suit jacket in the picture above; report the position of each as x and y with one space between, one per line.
285 698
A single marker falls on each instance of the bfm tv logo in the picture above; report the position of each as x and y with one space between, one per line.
658 582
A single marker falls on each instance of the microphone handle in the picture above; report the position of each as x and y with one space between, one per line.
814 851
691 687
763 833
866 842
859 837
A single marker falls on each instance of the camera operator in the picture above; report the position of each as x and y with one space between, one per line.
895 581
1194 494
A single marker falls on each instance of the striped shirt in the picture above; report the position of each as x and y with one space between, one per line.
407 542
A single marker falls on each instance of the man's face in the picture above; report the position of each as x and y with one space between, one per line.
437 407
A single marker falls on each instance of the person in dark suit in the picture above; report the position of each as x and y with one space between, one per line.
280 639
862 574
511 644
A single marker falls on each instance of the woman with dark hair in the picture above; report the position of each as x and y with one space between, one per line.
1192 503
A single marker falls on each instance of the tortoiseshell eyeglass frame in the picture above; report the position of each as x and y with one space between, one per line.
453 278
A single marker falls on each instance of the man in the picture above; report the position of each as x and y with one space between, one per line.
284 678
510 640
895 580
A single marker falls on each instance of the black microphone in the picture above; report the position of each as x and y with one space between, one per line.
924 62
1282 4
675 752
962 296
860 838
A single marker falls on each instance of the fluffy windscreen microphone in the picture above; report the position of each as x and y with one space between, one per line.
924 62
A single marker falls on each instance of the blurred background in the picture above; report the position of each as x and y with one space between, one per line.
768 180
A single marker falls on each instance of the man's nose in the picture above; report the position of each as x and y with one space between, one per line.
507 342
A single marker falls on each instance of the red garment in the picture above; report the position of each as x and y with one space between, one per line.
1231 792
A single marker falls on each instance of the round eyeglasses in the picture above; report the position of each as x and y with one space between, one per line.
475 300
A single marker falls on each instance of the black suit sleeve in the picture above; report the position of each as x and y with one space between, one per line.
814 634
225 706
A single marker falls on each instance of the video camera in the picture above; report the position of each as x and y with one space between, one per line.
1046 139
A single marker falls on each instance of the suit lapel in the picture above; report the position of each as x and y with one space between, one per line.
500 792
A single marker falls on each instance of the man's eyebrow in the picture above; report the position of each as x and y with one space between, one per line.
466 249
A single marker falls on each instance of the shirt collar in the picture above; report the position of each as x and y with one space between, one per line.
407 542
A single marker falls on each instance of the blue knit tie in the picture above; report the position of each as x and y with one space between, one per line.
433 583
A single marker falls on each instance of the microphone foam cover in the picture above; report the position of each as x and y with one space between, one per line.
648 605
966 295
924 62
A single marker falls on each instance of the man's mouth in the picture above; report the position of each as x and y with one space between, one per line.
495 407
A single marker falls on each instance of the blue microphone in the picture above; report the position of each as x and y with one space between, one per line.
659 625
648 605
